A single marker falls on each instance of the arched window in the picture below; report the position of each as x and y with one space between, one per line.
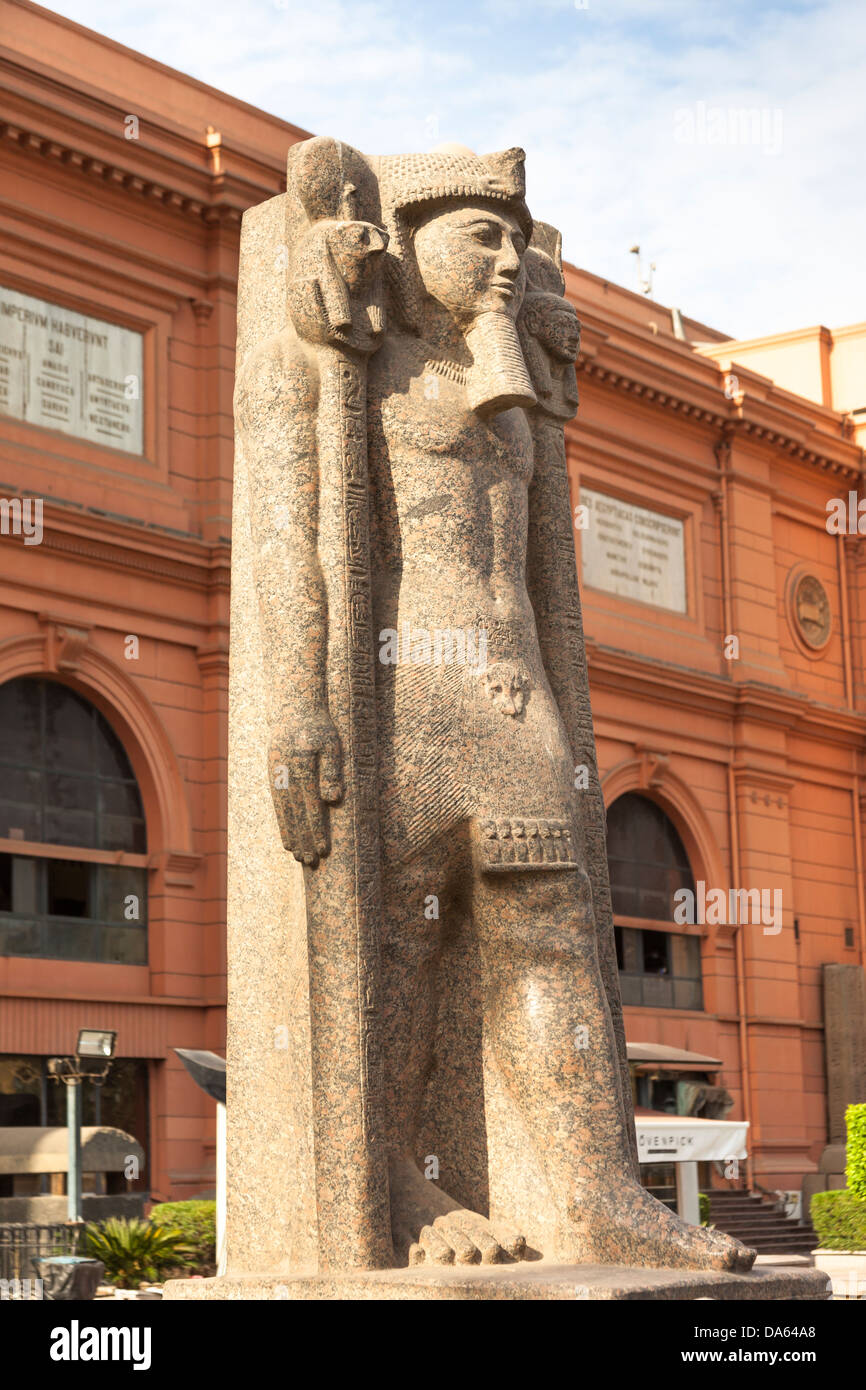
73 843
648 864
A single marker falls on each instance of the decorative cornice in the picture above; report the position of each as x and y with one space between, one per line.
778 439
201 564
651 394
51 995
140 271
734 424
202 574
129 180
677 686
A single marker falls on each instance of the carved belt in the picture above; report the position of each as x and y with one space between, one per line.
518 844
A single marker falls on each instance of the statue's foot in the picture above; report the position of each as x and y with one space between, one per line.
628 1226
429 1227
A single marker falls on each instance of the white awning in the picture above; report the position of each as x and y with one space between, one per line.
684 1139
670 1058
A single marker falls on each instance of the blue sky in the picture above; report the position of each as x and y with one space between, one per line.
726 138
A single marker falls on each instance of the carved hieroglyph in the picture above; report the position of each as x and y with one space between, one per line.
426 1051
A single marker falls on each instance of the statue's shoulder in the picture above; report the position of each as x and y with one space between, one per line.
399 356
280 371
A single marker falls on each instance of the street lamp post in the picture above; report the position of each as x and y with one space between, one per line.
73 1126
93 1056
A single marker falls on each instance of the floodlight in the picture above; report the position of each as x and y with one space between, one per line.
96 1042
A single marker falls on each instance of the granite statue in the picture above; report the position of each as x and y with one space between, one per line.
425 1031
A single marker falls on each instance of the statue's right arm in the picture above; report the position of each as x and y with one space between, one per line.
276 400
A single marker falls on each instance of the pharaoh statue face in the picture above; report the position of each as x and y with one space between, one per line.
470 259
556 326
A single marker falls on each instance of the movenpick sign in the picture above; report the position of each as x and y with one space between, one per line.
689 1139
65 371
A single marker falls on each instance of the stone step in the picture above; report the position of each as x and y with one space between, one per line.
741 1204
767 1232
755 1216
755 1209
722 1199
744 1223
729 1194
743 1218
771 1238
736 1194
748 1209
777 1238
759 1223
777 1242
791 1232
776 1248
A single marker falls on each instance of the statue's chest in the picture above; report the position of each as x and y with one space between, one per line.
428 415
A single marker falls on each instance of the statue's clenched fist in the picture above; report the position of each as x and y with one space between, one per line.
305 770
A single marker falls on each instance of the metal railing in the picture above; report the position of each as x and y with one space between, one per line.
20 1243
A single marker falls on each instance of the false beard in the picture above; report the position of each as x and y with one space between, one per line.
498 379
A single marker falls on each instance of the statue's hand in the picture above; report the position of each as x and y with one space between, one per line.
305 771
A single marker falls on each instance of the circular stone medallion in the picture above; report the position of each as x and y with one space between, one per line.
810 608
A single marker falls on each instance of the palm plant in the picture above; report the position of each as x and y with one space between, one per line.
133 1251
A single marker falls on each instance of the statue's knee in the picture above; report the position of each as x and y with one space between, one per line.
538 911
566 900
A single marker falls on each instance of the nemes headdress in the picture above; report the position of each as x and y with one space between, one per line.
408 181
411 184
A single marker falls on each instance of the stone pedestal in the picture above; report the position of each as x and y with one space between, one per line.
561 1283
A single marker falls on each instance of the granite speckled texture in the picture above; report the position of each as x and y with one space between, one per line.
582 1283
426 1054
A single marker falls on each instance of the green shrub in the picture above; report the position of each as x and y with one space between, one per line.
839 1219
704 1204
855 1166
133 1251
197 1223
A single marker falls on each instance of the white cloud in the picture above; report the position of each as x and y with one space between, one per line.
749 239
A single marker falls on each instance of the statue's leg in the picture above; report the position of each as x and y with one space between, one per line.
428 1226
548 1021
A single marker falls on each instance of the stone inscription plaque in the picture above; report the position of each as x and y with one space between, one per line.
68 372
633 552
